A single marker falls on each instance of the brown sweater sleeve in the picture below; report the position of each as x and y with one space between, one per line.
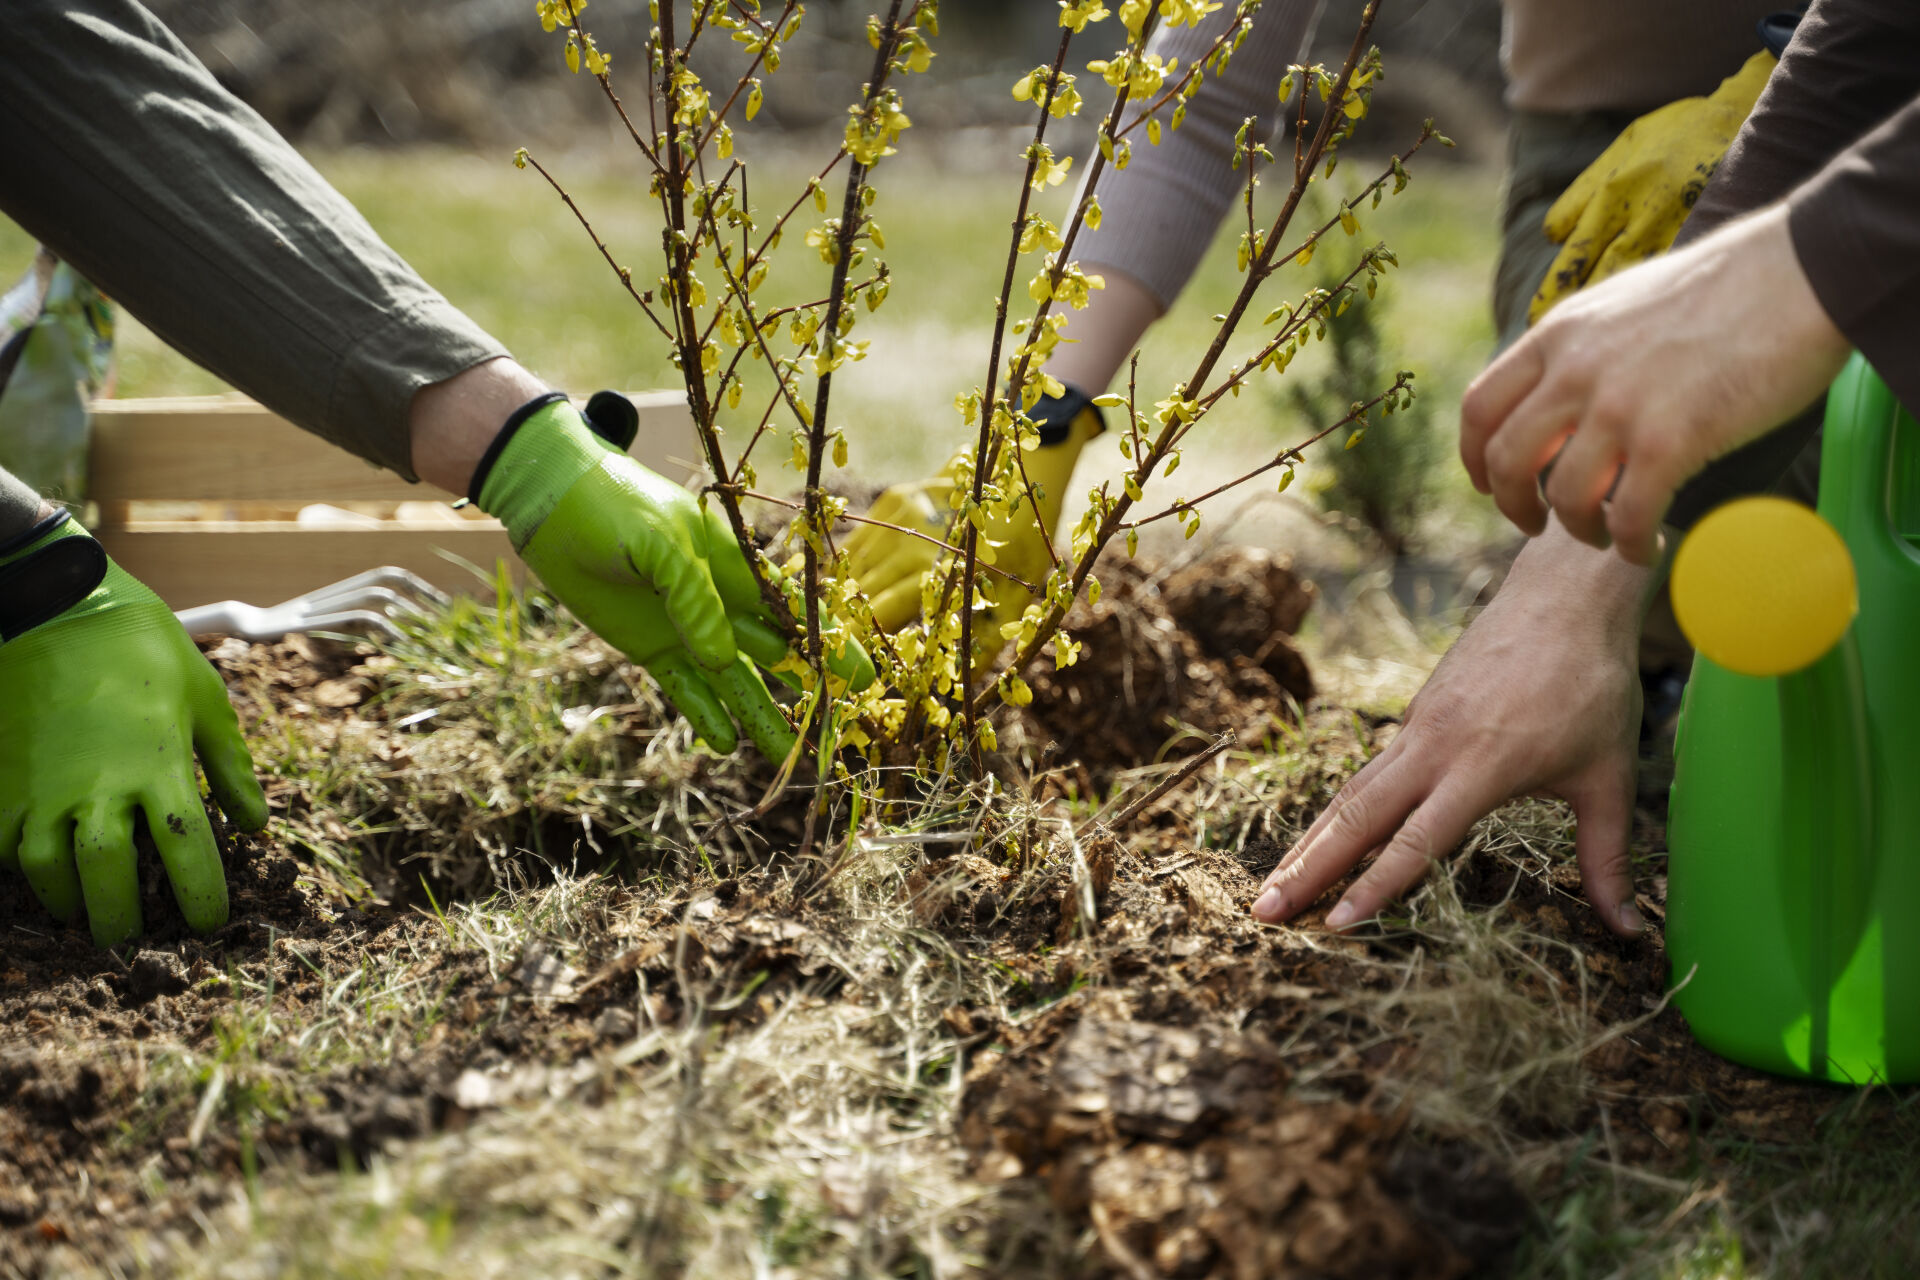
1856 230
1837 134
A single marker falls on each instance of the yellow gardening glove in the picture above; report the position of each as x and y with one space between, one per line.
1628 205
889 566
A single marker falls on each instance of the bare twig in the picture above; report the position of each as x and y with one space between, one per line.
626 276
1257 273
1174 779
983 450
1286 457
850 217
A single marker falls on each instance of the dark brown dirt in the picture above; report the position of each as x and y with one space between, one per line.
1170 665
1203 1093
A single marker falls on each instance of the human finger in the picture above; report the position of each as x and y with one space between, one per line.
1359 782
1583 472
1297 884
1522 449
685 684
109 873
745 695
1359 821
1603 822
1637 507
1431 831
46 860
178 823
1493 395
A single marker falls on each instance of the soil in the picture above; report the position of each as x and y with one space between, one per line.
1171 663
1200 1092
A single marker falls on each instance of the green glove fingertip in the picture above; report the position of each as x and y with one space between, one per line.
759 640
46 861
225 760
180 830
746 696
687 688
103 855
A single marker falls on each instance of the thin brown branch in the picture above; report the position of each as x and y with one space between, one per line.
823 388
626 276
983 449
746 77
882 524
680 270
1286 457
1174 779
606 86
1116 513
1148 111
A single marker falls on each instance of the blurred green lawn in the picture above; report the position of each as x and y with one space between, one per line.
502 246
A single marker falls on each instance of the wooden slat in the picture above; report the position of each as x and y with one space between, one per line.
227 449
195 563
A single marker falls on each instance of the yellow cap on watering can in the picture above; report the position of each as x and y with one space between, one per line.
1764 586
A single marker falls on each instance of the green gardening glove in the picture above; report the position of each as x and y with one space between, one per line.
635 557
104 703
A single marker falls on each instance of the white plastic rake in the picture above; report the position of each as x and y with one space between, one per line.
365 602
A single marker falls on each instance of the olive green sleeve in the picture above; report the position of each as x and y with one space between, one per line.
120 151
19 507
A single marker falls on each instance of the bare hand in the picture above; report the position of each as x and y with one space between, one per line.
1628 389
1539 696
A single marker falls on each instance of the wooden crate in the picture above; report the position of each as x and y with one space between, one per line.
201 499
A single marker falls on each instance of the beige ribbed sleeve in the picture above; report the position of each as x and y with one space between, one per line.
1159 214
1624 55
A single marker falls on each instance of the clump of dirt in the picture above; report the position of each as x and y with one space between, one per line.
1246 602
297 675
1182 1149
1205 1096
1170 665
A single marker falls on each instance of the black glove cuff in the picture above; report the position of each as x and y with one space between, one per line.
610 415
39 530
514 422
1054 415
613 418
43 584
1776 29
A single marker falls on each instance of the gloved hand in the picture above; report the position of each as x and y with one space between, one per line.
636 559
889 566
1628 205
104 702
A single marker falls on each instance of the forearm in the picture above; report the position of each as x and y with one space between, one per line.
127 158
20 508
1159 214
1098 340
452 423
1837 135
1559 574
1856 234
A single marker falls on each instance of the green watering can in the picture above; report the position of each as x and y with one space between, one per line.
1793 893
